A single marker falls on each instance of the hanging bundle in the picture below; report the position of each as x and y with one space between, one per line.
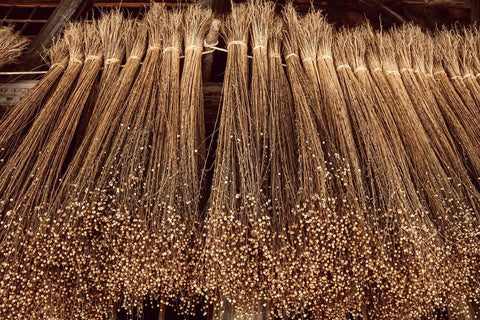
11 45
186 199
15 173
101 216
399 221
15 123
444 200
429 66
80 179
237 225
345 180
337 217
283 181
29 212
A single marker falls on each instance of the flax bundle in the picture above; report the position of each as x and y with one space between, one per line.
448 45
39 189
101 218
81 176
11 45
283 180
443 200
311 170
163 226
192 133
16 122
449 103
236 216
53 160
16 171
262 18
111 28
315 209
16 243
346 226
400 220
187 197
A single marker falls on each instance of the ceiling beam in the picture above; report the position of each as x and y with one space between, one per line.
475 12
66 10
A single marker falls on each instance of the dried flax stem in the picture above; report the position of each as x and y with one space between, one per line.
11 45
399 219
80 179
283 179
450 105
187 197
111 29
448 211
111 199
17 121
236 210
16 170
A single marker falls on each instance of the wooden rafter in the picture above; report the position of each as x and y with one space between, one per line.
475 12
65 11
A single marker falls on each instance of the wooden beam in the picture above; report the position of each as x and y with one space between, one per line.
383 7
104 4
475 12
221 6
66 10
